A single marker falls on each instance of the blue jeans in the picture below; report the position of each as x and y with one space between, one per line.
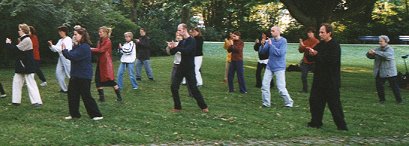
122 68
236 66
148 69
281 86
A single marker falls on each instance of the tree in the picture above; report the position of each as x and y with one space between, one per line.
315 12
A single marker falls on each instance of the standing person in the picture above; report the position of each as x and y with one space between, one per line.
327 80
177 56
385 68
226 46
24 68
306 65
262 58
236 64
36 52
74 42
2 92
198 54
64 65
144 53
104 74
127 60
276 48
81 75
186 69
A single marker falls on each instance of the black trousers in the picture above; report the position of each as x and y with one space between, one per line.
393 82
319 97
39 72
259 78
81 87
190 76
2 89
305 68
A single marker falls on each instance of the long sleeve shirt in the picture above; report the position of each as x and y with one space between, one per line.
311 43
144 48
25 59
81 65
186 48
276 53
236 50
384 62
128 52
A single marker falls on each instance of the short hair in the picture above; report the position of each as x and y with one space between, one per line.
143 29
107 30
32 30
384 37
198 30
130 34
278 28
237 33
85 36
183 25
63 29
310 29
328 27
25 28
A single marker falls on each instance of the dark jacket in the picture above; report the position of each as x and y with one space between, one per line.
199 45
25 58
143 48
187 49
327 72
236 50
81 65
260 55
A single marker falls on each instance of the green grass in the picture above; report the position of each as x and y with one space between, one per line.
145 116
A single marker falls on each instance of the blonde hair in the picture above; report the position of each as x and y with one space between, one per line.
25 28
130 34
77 27
107 30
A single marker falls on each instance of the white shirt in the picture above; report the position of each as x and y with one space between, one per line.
178 55
126 57
265 61
67 41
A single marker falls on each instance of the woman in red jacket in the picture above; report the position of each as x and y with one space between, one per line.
36 52
104 74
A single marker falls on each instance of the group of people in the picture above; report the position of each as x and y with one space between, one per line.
323 57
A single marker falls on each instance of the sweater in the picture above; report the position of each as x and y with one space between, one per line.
199 45
226 47
144 48
310 42
80 56
128 52
236 50
276 53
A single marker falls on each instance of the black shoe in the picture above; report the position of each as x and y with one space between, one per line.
37 105
311 125
382 102
151 79
15 104
62 91
119 99
344 128
138 79
102 99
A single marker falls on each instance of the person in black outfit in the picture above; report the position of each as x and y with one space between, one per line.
81 75
327 80
143 48
2 92
262 59
186 69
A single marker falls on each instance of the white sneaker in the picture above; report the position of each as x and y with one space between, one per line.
43 84
3 95
289 105
97 118
68 118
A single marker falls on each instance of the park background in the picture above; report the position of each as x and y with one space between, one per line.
234 118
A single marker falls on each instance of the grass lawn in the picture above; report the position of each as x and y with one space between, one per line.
145 115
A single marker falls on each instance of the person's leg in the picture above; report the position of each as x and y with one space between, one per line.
18 82
131 72
258 75
60 74
265 88
393 82
282 90
74 91
32 88
232 70
191 82
148 69
198 65
175 88
335 106
89 102
39 72
317 106
226 73
98 85
122 67
117 91
138 69
380 89
2 92
304 72
240 77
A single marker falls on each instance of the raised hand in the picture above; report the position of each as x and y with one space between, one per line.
8 41
50 43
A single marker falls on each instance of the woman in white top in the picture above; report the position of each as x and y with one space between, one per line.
127 60
64 65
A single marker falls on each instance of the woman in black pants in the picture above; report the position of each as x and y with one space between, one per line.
2 93
262 59
81 75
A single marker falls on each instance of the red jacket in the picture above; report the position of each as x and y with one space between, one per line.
310 42
36 47
104 53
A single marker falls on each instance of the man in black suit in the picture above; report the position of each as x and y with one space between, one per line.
186 69
327 79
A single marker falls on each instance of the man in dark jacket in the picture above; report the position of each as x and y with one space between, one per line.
186 69
144 52
327 79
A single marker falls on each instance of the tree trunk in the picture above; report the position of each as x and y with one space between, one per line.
134 9
185 13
